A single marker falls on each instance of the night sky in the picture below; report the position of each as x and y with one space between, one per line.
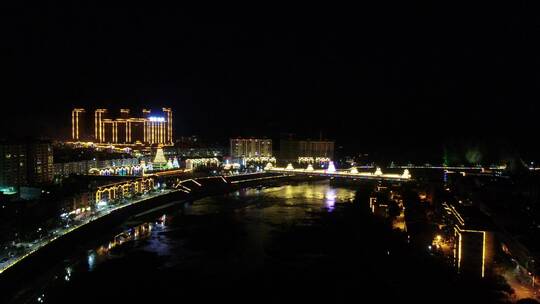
404 74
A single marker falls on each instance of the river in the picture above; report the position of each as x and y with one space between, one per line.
294 243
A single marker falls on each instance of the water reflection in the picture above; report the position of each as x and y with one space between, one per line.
239 229
91 260
67 277
330 199
141 231
271 206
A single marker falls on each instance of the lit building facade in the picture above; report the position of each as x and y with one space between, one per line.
40 166
124 129
198 152
121 190
474 240
86 167
194 147
299 150
13 164
26 163
192 164
250 147
78 126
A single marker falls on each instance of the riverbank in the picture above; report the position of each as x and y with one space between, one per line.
40 258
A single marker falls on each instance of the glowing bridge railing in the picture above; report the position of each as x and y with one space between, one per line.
352 173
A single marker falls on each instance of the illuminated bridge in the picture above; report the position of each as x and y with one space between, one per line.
456 168
348 174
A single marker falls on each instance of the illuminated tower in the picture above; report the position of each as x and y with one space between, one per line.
123 123
169 132
158 129
147 126
99 129
76 127
159 160
115 132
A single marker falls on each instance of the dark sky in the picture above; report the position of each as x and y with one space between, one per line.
401 74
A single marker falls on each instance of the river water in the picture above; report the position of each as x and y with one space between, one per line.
304 242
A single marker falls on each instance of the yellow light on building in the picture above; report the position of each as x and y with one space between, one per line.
75 122
168 111
98 125
73 125
460 232
153 129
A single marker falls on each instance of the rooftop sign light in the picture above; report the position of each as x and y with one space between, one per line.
156 119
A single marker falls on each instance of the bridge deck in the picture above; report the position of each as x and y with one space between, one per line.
342 174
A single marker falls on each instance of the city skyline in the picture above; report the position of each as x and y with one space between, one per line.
344 77
452 151
384 152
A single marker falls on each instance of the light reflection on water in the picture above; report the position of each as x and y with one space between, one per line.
262 209
259 211
91 260
138 232
278 204
330 199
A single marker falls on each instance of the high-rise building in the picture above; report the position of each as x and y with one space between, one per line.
292 150
123 129
250 147
473 240
13 164
24 163
40 166
78 124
